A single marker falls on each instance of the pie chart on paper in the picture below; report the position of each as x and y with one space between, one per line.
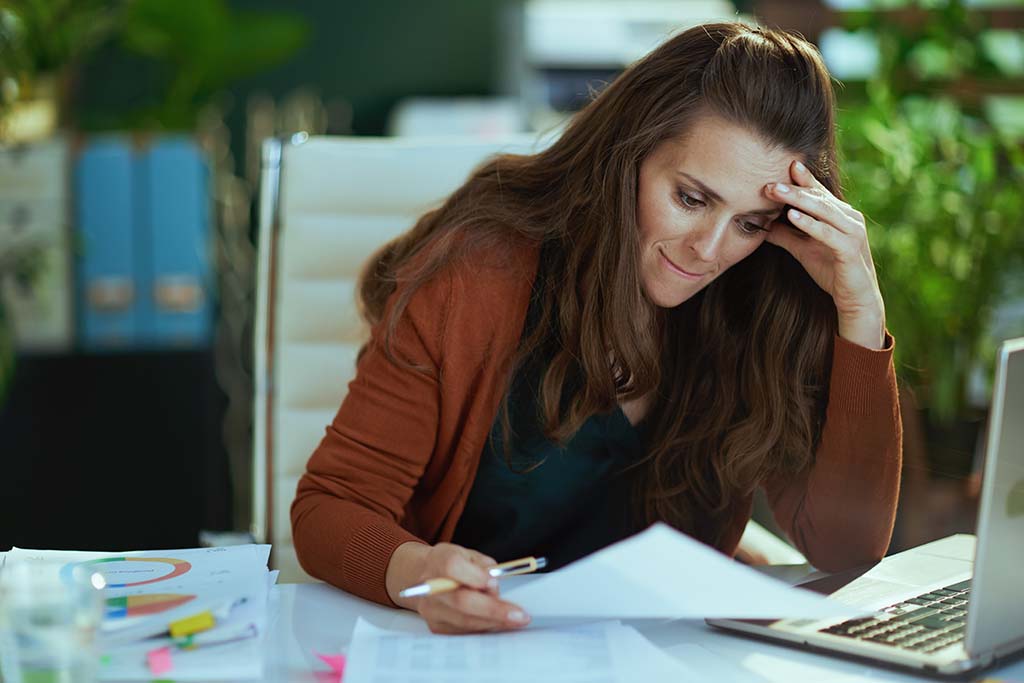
128 606
125 572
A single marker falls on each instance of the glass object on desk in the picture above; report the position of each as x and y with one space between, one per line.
49 614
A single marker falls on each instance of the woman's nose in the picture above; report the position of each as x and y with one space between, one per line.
707 243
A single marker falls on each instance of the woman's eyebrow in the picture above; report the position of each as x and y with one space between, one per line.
717 198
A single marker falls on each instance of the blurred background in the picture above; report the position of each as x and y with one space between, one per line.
130 138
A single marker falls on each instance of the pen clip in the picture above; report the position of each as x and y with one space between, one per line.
521 566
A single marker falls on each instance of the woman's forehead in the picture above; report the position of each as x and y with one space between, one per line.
724 155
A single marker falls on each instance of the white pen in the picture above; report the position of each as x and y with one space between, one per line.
524 565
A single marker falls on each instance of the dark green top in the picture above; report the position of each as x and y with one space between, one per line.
574 502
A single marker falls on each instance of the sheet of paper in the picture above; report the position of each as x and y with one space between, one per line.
955 547
240 604
150 566
901 577
147 590
921 570
603 652
661 573
871 593
160 586
774 549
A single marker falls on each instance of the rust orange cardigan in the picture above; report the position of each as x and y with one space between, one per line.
398 460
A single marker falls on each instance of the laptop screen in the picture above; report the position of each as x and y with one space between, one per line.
995 619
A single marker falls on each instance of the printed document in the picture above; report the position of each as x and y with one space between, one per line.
602 652
662 573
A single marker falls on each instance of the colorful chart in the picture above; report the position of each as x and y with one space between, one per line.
142 569
141 605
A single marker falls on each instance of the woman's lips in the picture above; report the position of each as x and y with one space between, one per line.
679 271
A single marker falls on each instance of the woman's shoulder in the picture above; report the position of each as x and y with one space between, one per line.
475 305
488 274
490 287
477 275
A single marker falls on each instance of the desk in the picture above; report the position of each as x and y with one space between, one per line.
308 617
303 618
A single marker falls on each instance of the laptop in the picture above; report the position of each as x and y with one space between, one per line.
949 607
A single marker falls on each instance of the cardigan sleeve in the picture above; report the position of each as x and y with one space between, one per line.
349 504
840 512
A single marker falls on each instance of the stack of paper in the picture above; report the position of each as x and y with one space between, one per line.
188 614
602 652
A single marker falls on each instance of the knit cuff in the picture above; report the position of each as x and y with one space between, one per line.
863 379
367 555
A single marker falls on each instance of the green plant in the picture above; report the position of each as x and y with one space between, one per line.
202 47
42 38
940 186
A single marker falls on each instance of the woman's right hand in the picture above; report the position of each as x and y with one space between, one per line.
474 607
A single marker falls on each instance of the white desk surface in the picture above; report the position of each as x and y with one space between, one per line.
317 617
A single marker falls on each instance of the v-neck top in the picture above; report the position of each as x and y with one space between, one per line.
547 500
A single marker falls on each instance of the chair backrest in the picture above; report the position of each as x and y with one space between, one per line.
326 203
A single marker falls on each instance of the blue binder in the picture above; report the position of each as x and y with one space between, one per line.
107 292
174 245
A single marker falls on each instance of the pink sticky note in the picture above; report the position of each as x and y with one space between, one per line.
336 662
159 660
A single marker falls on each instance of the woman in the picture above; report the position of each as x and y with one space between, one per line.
667 309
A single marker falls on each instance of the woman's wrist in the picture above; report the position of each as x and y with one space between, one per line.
867 331
404 570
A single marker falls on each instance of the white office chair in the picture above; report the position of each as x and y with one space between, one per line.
326 204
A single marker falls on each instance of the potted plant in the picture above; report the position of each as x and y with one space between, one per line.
200 47
940 185
40 42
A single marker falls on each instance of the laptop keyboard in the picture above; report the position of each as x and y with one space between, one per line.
924 624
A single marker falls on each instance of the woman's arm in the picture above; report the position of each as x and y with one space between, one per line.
840 512
350 502
405 436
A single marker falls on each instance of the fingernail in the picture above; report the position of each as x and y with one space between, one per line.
795 215
516 615
800 167
492 583
781 188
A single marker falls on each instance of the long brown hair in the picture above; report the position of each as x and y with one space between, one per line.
740 371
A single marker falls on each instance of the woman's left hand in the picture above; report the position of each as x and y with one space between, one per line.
831 243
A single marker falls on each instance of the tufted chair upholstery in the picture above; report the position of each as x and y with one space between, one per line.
326 203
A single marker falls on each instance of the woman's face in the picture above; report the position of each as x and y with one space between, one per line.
701 206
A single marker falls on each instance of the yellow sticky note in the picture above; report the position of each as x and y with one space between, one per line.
194 624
